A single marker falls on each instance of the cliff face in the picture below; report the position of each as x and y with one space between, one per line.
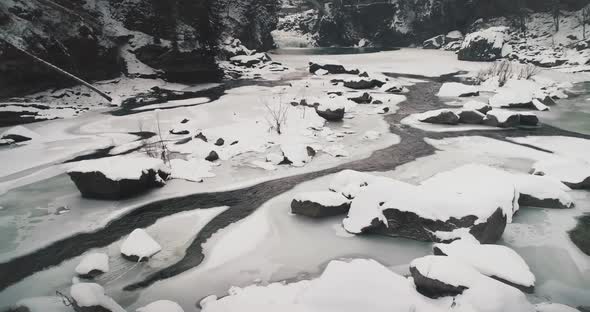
100 39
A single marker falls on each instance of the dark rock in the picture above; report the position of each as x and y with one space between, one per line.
96 185
179 132
393 88
363 84
548 101
183 141
472 117
331 68
310 151
434 42
364 74
331 115
530 201
366 98
584 308
201 136
410 225
572 37
433 288
92 274
219 142
529 119
184 121
377 102
492 120
16 138
580 235
234 142
250 60
213 156
317 210
444 117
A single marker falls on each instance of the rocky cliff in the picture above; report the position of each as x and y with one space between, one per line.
101 39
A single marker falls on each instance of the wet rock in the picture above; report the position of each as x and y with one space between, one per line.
433 288
529 119
185 120
472 117
365 98
392 87
580 235
331 115
441 116
548 101
213 156
201 136
219 142
320 204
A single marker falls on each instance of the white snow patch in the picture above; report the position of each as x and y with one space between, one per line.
455 89
161 306
122 167
324 198
140 244
91 295
193 169
93 261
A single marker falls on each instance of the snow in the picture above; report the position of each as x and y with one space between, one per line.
455 89
91 295
501 114
192 169
92 262
350 182
122 167
161 306
475 105
570 147
540 106
491 260
543 187
333 102
22 131
432 113
564 169
455 34
43 304
324 198
296 153
140 244
372 135
482 294
349 286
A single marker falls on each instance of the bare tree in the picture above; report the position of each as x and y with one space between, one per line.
556 13
277 113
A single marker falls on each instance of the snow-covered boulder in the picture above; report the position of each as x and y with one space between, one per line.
360 83
512 98
349 183
139 246
502 118
542 191
90 297
437 276
496 261
332 67
332 108
18 134
470 116
458 200
434 43
118 176
454 36
296 155
440 116
484 45
455 89
572 172
346 286
481 107
92 265
320 204
364 98
250 60
161 306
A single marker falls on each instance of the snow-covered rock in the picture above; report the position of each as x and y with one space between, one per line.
574 173
350 183
93 265
320 204
434 43
118 176
364 98
496 261
542 191
297 155
355 285
502 118
455 89
458 199
470 116
332 108
161 306
139 246
437 276
453 36
361 83
393 87
332 67
481 107
249 60
440 116
484 45
90 297
19 134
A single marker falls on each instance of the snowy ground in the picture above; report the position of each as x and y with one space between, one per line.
271 244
